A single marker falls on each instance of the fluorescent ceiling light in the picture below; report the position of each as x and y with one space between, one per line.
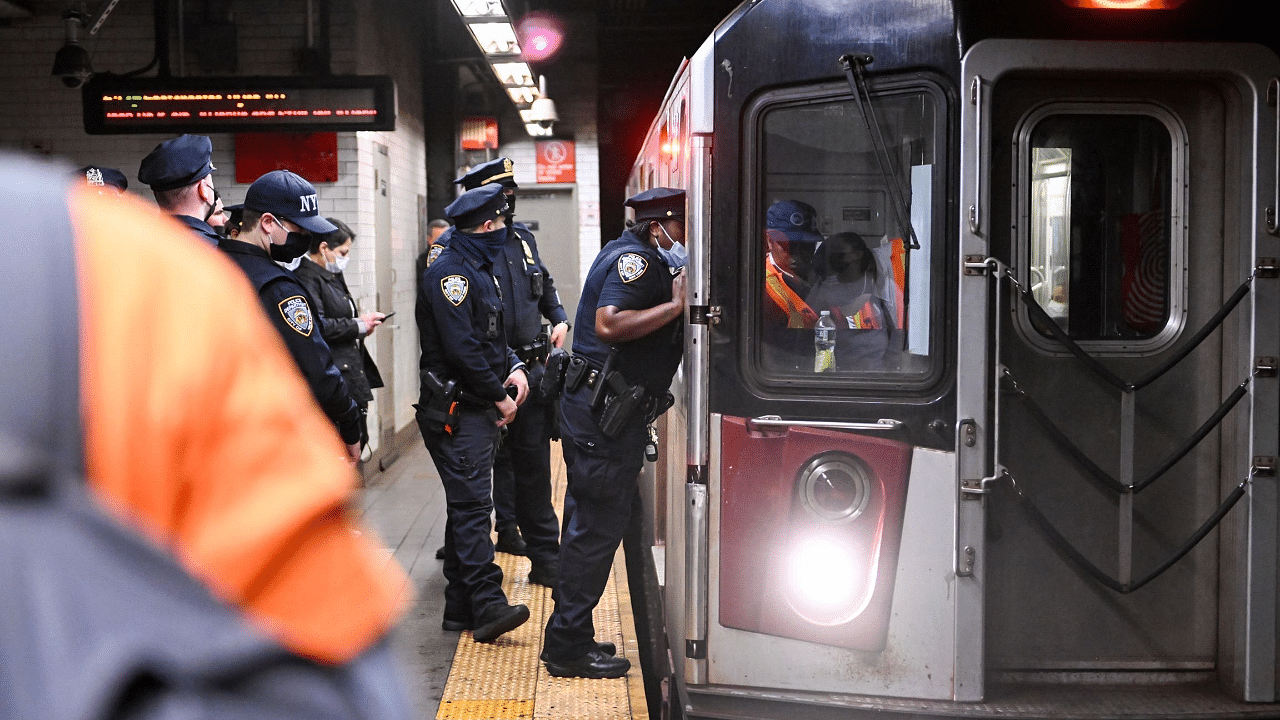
522 95
480 8
513 73
495 38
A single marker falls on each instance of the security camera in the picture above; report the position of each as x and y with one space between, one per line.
72 61
72 65
543 112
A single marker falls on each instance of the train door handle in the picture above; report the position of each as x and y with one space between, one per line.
775 421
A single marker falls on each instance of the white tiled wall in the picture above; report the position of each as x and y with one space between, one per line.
38 114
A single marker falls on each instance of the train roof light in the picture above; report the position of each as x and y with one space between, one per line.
1124 4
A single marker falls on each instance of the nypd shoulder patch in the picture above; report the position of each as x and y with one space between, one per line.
434 253
454 288
297 314
631 266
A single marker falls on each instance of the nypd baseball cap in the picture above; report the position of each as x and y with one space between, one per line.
290 197
797 220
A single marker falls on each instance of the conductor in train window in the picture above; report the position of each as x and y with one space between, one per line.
791 238
848 286
629 342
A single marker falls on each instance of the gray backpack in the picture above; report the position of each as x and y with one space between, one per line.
95 621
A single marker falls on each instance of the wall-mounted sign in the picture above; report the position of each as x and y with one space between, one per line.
556 161
479 133
115 104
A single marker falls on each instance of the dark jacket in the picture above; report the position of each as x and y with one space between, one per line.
336 314
288 306
460 325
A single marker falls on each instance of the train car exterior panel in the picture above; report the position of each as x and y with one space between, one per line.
1042 166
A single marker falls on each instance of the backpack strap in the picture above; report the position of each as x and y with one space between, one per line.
41 432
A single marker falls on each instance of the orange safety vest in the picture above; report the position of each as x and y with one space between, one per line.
799 314
200 432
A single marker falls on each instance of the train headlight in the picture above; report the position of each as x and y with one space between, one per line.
832 560
835 487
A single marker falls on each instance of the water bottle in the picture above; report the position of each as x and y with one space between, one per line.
824 343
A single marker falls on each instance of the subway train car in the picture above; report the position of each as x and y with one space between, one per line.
1034 475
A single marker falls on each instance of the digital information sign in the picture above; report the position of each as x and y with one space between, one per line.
118 105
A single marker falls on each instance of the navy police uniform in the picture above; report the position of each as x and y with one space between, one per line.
630 274
287 303
529 294
182 161
463 337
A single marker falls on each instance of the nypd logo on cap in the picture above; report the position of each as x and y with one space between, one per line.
289 196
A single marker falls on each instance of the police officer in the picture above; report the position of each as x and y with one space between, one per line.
180 174
279 214
630 332
466 369
522 466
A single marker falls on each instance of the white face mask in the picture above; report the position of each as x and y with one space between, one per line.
676 256
339 263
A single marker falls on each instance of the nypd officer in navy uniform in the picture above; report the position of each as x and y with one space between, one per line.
279 215
180 174
466 369
522 466
632 308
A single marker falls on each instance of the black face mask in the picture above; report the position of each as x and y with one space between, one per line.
295 246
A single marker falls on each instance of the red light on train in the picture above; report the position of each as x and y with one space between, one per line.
1124 4
810 526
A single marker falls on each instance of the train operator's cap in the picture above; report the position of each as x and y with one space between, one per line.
100 177
289 196
176 163
475 206
495 171
658 203
795 219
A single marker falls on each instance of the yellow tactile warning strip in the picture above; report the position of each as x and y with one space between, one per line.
506 681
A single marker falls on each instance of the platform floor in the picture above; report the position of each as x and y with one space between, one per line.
451 677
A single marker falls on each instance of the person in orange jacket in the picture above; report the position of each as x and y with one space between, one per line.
200 432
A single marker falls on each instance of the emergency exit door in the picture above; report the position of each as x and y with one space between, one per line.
1110 203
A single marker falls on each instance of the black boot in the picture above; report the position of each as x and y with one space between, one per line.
509 540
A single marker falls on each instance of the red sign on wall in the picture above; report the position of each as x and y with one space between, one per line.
314 156
556 161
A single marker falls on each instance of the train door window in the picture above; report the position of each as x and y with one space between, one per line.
1097 249
828 238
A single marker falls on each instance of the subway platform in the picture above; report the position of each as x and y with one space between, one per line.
448 675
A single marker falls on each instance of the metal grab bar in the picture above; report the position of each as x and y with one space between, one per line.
1057 539
775 421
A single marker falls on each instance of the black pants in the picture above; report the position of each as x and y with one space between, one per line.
464 460
603 490
522 481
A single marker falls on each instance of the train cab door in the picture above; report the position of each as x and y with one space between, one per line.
1116 389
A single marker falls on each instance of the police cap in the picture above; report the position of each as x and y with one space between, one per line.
795 219
495 171
289 196
96 176
475 206
658 203
177 163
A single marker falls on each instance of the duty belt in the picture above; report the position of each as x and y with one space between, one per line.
535 351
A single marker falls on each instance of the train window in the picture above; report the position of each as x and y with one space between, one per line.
831 241
1097 192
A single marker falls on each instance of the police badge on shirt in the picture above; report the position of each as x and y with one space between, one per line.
454 288
297 313
631 266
